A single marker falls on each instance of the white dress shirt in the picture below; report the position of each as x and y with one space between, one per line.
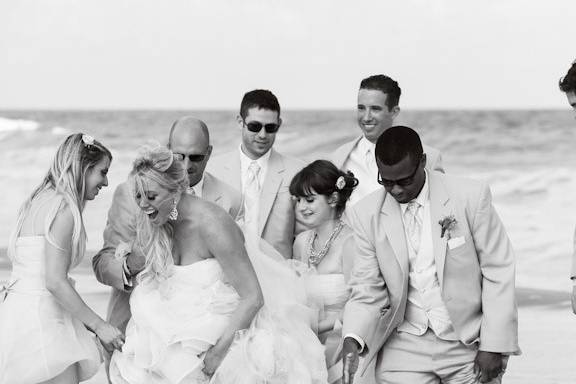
362 163
425 307
245 161
197 188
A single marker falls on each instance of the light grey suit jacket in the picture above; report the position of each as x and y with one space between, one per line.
342 153
476 278
121 227
276 216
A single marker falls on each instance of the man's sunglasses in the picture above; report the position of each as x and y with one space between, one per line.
256 126
404 182
192 158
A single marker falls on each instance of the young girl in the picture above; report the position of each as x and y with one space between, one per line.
43 319
321 191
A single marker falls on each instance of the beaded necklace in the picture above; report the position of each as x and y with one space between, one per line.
315 257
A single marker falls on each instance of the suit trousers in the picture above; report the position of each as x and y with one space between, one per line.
426 359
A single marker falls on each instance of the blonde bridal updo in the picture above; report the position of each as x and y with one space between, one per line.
157 163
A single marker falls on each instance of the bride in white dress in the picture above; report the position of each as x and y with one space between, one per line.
197 310
43 320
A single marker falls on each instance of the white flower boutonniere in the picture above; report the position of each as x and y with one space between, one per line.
447 223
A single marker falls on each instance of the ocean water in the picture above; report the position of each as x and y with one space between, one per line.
527 157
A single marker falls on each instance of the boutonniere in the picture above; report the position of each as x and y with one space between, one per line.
447 223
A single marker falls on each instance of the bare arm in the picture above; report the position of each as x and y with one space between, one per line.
58 260
226 242
298 251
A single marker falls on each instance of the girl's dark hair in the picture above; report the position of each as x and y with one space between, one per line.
321 177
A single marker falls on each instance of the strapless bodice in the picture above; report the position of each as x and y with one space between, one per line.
329 289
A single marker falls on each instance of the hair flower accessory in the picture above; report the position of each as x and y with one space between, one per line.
88 140
447 223
341 183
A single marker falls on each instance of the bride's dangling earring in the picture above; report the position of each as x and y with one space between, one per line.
174 212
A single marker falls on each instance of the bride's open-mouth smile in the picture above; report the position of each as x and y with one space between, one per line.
151 212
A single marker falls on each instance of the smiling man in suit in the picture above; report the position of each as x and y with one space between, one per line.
260 172
377 108
433 279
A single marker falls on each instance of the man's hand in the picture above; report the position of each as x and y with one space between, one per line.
487 365
135 261
350 360
574 299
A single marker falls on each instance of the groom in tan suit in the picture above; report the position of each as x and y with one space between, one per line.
261 173
433 280
377 108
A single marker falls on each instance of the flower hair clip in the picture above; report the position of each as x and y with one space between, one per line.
88 140
340 183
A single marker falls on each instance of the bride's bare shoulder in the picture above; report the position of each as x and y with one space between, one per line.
203 213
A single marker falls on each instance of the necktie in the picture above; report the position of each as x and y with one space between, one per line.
370 161
252 192
413 224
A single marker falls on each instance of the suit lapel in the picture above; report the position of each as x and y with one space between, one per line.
209 190
270 188
394 228
231 170
341 157
440 207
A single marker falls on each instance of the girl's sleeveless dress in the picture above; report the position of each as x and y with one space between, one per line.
38 338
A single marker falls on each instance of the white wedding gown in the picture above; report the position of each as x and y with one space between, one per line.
175 321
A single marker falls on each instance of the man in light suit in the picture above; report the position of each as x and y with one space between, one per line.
433 279
378 107
190 141
261 173
567 85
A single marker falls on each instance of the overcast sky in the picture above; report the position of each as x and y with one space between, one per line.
310 53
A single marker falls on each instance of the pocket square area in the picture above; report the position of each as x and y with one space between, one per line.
456 242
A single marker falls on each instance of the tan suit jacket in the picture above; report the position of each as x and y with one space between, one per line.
276 216
121 227
476 278
342 153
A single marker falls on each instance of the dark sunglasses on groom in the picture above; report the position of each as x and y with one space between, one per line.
256 126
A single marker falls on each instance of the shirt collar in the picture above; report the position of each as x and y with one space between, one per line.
198 187
245 161
364 145
422 197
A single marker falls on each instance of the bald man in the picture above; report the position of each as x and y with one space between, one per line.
189 139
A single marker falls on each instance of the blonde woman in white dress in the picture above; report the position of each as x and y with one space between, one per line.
213 304
43 320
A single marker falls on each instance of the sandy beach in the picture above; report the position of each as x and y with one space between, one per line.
547 329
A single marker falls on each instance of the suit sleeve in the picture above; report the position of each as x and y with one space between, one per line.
499 328
120 228
369 298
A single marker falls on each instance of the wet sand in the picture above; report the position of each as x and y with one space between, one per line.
547 329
